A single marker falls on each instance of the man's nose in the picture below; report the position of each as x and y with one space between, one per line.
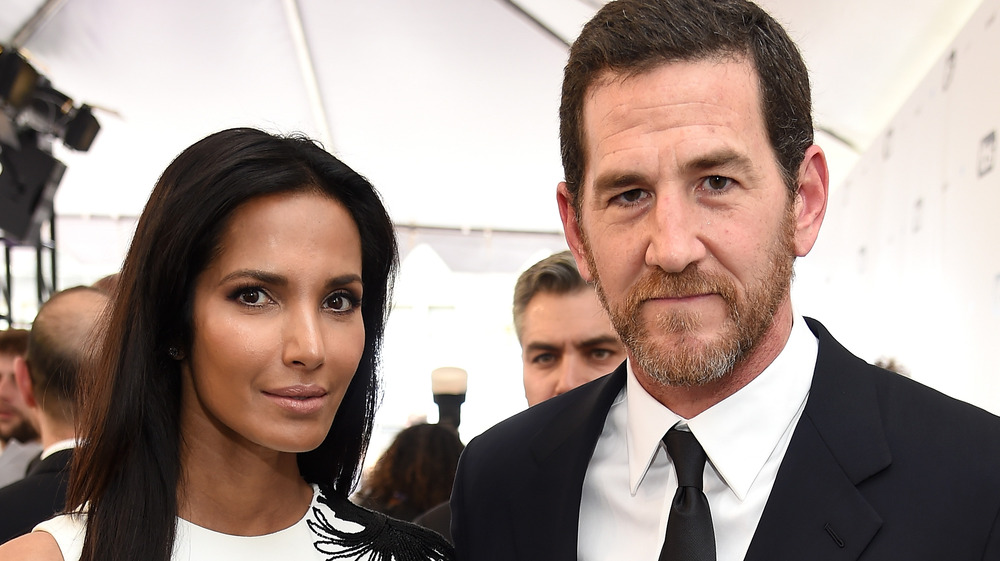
569 373
675 228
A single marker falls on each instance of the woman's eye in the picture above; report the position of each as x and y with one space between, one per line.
252 297
341 302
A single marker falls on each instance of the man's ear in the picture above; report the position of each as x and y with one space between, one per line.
23 378
810 199
572 231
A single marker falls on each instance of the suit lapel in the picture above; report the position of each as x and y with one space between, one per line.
815 510
561 451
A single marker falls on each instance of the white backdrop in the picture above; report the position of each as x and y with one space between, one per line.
907 264
449 106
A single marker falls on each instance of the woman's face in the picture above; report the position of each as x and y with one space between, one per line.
277 326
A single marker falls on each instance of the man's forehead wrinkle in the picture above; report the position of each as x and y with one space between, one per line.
625 120
627 112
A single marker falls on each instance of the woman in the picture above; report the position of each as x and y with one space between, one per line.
233 398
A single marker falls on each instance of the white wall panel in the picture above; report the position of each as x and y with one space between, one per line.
907 264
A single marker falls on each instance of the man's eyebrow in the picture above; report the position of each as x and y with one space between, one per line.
541 346
724 158
599 341
613 180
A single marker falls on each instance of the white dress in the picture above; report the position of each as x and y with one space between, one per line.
331 529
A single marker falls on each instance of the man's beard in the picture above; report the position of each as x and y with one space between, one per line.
22 431
691 362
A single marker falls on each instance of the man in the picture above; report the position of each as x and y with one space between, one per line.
691 185
58 349
18 435
566 341
566 337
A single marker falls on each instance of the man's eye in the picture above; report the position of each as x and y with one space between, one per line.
600 354
544 358
631 197
717 183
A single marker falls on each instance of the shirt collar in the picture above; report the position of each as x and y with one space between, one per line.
738 433
57 446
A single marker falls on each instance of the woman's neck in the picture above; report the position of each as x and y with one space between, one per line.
240 489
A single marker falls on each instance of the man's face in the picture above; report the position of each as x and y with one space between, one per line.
14 412
685 224
566 341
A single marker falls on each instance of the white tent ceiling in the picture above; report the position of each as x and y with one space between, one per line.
448 106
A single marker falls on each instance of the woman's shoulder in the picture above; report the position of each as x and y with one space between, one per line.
40 546
372 532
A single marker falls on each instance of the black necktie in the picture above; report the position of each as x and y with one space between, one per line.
690 536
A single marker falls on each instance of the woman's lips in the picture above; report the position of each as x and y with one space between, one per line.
298 399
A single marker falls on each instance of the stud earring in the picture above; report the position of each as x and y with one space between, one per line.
174 353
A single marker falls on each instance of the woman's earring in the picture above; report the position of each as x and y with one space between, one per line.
175 353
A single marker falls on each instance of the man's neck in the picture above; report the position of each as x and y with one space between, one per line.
54 430
689 401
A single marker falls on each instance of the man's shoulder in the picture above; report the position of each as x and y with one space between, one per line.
911 407
908 411
840 370
571 407
19 453
40 486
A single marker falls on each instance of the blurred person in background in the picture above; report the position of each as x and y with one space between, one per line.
415 472
19 443
566 341
59 347
566 336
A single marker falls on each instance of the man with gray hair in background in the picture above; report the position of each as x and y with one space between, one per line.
566 336
59 349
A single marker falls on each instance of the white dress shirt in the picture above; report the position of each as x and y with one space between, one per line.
630 481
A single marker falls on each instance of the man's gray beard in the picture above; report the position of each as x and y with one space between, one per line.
686 366
749 319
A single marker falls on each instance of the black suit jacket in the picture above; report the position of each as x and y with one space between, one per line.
41 494
878 468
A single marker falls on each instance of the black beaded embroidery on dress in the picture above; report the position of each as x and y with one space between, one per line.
380 539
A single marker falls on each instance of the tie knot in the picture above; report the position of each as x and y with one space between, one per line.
688 457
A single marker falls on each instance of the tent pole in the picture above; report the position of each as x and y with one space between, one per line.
308 69
47 10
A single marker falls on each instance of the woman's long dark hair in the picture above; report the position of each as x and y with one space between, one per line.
127 470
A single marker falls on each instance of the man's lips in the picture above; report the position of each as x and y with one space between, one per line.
680 297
